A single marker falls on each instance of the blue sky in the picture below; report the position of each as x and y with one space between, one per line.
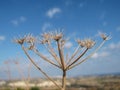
78 18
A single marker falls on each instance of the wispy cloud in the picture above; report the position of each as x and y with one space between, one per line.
51 12
22 19
100 55
114 45
18 21
68 45
46 26
107 50
105 23
2 38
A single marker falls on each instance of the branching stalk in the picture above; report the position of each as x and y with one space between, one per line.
61 55
51 51
32 61
60 60
44 58
74 54
23 77
87 56
77 58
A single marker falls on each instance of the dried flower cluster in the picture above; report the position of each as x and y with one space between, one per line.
61 62
19 41
88 43
57 36
29 39
47 37
104 36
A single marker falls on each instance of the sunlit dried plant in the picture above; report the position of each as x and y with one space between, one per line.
61 61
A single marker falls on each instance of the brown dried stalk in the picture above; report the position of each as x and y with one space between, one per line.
23 76
72 66
39 67
46 39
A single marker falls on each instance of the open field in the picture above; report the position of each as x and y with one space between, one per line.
109 82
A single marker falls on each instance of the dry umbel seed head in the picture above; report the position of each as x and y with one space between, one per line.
30 38
57 36
19 41
104 36
46 38
88 43
44 41
81 42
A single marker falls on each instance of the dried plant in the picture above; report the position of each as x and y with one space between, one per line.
8 67
20 71
48 39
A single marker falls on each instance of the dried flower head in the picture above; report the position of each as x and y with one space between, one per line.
88 43
104 36
19 41
57 35
46 38
43 41
30 38
81 42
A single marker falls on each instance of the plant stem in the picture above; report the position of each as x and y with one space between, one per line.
61 55
64 80
32 61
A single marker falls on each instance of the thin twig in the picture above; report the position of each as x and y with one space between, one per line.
77 58
32 61
51 51
88 56
23 77
74 54
44 58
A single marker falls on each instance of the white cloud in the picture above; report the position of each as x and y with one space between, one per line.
2 38
107 50
95 55
51 12
15 22
100 54
114 45
22 19
68 45
46 26
18 21
104 54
